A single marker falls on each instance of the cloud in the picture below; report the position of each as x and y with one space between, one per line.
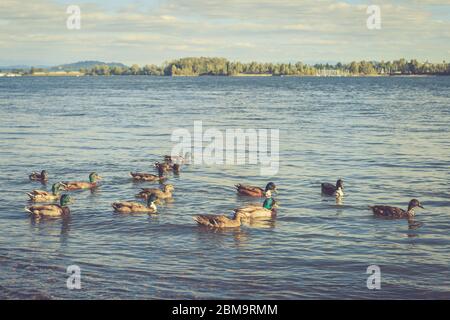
276 30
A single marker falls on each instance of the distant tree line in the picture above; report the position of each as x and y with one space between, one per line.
223 67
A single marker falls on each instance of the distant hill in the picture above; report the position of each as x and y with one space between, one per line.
85 64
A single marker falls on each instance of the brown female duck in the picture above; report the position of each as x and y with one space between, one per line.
219 221
43 176
396 213
166 193
135 207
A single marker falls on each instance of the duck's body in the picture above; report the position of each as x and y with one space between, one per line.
394 212
135 207
252 191
329 189
255 211
80 185
142 176
35 176
51 210
45 196
166 193
218 221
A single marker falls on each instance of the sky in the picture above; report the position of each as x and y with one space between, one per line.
34 32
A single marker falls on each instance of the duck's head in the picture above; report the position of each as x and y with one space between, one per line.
56 187
168 187
65 200
340 184
414 203
271 187
44 175
151 199
93 177
270 204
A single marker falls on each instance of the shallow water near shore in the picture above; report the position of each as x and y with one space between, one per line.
388 138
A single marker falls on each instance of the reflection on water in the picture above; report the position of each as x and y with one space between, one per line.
388 138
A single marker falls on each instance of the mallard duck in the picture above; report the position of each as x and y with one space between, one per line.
142 176
329 189
52 210
43 176
219 221
44 196
160 194
134 207
252 191
78 185
397 213
267 210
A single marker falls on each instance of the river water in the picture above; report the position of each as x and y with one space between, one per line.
387 138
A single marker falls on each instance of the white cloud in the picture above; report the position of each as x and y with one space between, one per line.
242 29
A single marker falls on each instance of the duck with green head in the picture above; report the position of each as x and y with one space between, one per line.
51 210
44 196
253 211
136 207
78 185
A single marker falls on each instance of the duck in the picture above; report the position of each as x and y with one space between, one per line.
219 221
252 191
44 196
142 176
35 176
163 166
135 207
51 210
329 189
267 210
396 213
78 185
166 193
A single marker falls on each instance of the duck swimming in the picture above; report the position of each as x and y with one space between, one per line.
397 213
142 176
135 207
78 185
52 210
166 193
43 176
252 191
44 196
267 210
219 221
330 189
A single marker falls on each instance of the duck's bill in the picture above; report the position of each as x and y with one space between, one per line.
421 206
99 177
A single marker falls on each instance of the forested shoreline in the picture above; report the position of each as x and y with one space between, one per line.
223 67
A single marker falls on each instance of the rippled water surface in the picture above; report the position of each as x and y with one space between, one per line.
388 138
